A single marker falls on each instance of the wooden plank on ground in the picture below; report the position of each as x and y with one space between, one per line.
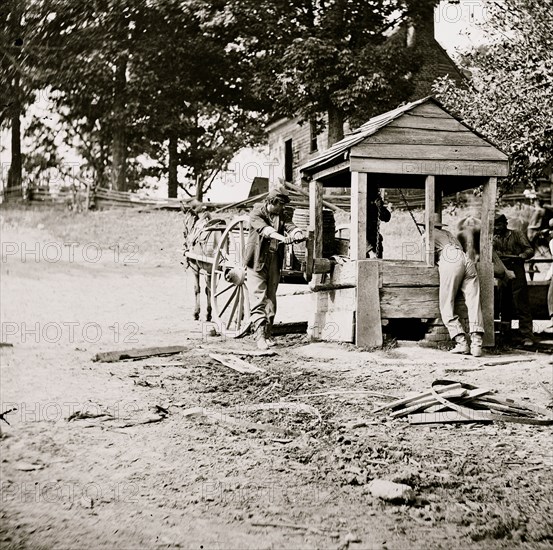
418 397
368 331
245 352
439 417
114 356
235 363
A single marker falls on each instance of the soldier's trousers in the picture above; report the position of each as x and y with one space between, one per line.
262 289
458 273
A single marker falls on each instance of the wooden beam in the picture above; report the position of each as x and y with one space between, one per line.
434 167
486 279
368 326
428 152
332 170
429 218
489 194
316 216
485 268
115 356
358 233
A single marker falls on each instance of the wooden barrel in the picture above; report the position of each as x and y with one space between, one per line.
301 220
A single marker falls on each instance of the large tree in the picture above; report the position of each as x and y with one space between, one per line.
82 51
511 100
15 82
315 58
194 110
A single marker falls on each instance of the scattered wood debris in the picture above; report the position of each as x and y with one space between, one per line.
220 416
246 352
507 362
28 467
235 363
285 525
226 415
450 401
80 415
3 415
369 393
114 356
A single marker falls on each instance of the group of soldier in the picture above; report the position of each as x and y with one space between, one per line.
270 230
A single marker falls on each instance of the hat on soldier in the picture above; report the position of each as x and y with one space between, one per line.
280 193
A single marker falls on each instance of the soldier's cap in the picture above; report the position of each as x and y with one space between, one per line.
500 218
280 193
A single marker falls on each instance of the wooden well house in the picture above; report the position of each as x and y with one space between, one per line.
417 146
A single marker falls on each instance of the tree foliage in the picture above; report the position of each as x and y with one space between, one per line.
126 78
313 57
511 100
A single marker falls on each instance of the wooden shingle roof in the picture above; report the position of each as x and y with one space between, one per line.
420 131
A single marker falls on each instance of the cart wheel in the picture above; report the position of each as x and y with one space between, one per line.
229 293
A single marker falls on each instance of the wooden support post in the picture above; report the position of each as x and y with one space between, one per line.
429 218
368 326
316 216
485 267
358 232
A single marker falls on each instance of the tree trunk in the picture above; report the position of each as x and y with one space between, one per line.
119 144
16 166
335 125
173 166
199 188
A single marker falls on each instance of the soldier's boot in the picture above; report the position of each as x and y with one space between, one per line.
476 344
260 338
269 335
461 345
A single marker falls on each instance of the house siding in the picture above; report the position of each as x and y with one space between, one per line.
437 63
281 131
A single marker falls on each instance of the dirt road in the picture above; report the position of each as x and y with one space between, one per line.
102 455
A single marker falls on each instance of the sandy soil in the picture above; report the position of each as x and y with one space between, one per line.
104 455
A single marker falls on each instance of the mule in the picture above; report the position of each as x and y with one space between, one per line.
200 243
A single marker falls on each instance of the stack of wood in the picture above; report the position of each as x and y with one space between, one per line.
449 401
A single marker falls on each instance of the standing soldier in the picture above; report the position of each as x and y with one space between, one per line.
513 248
458 273
264 259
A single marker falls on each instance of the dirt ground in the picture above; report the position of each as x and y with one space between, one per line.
106 455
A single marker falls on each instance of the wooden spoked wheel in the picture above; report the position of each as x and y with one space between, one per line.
229 292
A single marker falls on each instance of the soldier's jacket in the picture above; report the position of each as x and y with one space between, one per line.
259 246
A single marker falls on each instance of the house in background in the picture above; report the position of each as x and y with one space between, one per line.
292 144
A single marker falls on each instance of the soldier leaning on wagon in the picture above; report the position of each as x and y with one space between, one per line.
513 248
264 259
458 273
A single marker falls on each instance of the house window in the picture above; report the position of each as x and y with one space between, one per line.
313 137
288 161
